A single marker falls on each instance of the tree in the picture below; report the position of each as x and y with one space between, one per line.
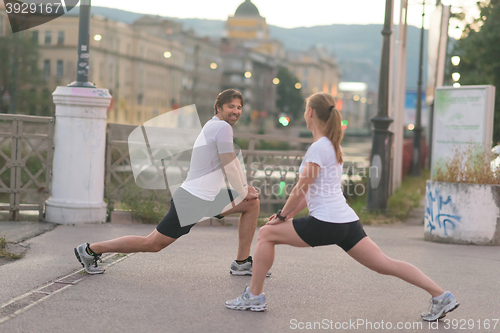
290 100
479 50
19 74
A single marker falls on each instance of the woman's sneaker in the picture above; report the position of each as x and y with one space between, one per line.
89 262
244 268
247 301
439 309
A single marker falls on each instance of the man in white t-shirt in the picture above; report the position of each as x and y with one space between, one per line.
200 195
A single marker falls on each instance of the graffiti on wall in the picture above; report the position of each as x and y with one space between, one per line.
440 213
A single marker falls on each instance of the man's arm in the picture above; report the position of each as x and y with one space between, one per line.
232 169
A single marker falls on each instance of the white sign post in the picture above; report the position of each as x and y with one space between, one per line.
462 116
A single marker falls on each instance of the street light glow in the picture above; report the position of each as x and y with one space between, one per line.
363 100
411 127
276 80
455 76
167 54
455 60
356 98
97 37
298 85
213 65
456 85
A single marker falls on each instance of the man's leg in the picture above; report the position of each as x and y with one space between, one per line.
154 242
88 254
247 225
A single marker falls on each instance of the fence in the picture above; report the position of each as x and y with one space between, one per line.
26 146
272 173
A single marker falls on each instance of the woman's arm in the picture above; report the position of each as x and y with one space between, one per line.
297 197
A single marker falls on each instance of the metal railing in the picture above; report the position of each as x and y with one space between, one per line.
272 172
26 148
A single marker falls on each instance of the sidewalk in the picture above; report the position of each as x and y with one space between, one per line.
183 288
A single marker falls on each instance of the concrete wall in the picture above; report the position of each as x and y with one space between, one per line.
462 213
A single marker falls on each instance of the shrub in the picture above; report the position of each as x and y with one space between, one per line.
144 206
468 166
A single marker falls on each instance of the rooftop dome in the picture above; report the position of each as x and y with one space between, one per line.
247 8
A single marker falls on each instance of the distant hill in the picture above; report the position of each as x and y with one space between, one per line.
357 47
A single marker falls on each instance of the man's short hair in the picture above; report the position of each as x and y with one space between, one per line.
225 97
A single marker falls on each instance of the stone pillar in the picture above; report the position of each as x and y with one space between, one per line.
77 188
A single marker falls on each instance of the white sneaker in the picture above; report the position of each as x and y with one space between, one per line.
246 301
88 261
439 309
243 269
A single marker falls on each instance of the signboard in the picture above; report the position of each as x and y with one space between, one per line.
462 116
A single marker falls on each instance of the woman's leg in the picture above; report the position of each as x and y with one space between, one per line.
269 236
154 242
367 253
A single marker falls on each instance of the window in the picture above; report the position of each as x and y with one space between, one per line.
34 36
59 68
46 68
140 99
101 71
60 38
48 37
235 78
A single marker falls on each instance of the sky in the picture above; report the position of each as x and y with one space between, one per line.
286 13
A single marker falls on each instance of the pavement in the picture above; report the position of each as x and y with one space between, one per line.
183 288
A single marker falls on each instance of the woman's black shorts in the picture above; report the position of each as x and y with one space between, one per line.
318 233
190 209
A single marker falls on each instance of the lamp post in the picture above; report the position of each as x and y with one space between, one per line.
82 69
77 189
417 132
378 186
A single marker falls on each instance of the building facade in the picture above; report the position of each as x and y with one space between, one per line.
249 29
316 70
201 75
131 64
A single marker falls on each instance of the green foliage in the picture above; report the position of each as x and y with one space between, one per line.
479 50
472 166
4 253
144 207
399 205
19 73
290 100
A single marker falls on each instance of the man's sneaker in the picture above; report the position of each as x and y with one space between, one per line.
439 309
89 262
243 269
246 301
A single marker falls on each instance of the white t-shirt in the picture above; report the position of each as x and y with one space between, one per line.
325 199
205 177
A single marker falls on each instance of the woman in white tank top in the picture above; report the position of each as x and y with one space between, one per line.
331 220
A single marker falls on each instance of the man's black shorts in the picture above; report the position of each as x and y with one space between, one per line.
191 209
318 233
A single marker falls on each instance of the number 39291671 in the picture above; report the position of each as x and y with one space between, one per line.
472 324
32 8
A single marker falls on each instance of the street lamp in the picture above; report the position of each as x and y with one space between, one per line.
378 186
417 131
82 69
455 60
